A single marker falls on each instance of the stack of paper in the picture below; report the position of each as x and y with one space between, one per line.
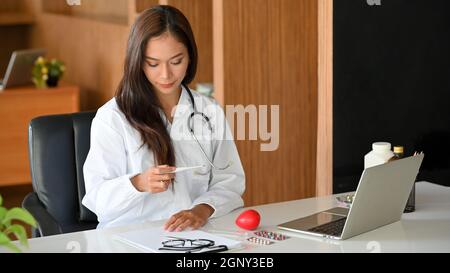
151 240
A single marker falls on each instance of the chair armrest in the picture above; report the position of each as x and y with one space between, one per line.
47 225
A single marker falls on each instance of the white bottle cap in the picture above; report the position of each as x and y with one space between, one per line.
381 146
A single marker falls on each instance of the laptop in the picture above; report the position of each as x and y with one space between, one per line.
19 68
379 200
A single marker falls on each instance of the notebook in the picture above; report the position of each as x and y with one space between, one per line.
158 240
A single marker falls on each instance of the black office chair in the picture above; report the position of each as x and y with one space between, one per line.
58 146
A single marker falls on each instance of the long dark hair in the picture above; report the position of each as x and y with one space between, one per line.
135 95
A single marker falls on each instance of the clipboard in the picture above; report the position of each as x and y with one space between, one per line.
151 240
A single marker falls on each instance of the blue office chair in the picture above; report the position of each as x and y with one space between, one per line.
58 146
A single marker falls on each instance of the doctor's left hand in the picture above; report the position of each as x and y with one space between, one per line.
193 218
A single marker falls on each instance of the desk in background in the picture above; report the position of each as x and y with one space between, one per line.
425 230
17 107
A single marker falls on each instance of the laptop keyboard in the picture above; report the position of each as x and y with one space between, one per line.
334 228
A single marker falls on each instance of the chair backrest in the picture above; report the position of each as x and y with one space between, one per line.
58 146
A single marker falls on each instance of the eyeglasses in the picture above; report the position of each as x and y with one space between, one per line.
191 245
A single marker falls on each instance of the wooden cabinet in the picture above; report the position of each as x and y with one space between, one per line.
17 107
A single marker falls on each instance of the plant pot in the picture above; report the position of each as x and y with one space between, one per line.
52 81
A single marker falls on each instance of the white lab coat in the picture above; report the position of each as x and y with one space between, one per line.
116 155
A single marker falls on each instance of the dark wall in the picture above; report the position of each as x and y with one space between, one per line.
391 83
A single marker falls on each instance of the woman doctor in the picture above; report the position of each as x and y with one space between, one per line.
144 132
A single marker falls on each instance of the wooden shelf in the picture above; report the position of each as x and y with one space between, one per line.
16 19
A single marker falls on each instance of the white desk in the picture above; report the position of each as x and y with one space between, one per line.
425 230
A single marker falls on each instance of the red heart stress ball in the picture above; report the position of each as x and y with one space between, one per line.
248 219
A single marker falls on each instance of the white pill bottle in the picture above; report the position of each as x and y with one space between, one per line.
380 154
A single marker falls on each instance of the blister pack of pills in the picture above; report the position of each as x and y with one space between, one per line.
271 235
259 241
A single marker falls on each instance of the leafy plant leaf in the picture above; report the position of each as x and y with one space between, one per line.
1 200
2 214
3 238
19 232
19 214
6 242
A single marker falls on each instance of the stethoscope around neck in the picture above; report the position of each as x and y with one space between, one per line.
190 124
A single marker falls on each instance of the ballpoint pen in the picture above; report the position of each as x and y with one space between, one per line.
213 249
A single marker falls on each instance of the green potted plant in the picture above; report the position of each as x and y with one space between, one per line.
8 227
47 73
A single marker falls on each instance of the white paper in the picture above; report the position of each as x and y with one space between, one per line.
150 240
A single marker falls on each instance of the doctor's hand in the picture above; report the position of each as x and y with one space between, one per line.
154 180
193 218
